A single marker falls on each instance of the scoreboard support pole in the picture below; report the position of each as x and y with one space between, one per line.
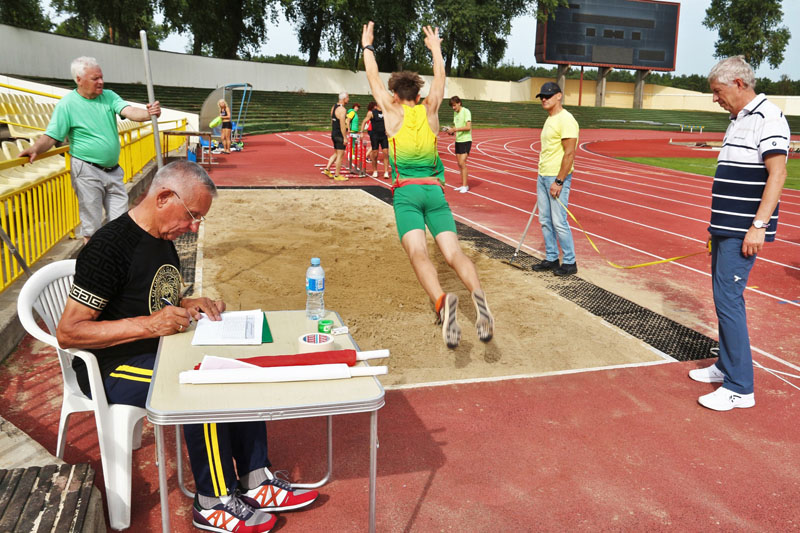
638 89
600 91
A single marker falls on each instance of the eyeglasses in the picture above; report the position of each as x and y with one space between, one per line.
195 220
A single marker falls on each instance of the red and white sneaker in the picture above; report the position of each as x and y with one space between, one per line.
278 495
232 514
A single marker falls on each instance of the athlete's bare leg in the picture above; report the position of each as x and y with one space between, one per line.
462 165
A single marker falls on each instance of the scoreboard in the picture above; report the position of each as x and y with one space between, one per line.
628 34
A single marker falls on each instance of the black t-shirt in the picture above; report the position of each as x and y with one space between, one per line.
124 272
378 127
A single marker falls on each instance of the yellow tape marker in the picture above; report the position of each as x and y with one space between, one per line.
615 265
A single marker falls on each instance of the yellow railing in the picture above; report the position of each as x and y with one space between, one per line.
35 217
38 214
138 148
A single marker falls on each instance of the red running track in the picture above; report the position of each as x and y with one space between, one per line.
624 449
634 213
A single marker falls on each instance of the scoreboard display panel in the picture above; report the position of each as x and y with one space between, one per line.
629 34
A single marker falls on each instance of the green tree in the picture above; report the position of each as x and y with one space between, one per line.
110 21
26 14
313 24
475 31
750 28
227 29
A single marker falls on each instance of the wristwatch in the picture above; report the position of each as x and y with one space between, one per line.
370 48
758 224
559 182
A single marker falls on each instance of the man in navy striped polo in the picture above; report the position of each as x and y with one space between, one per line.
751 170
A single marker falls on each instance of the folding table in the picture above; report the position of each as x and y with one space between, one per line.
170 403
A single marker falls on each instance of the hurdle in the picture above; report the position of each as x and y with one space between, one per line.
355 153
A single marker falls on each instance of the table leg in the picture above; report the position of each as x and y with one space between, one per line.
163 489
179 462
373 467
327 477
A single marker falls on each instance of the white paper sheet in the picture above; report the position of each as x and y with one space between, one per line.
235 328
213 362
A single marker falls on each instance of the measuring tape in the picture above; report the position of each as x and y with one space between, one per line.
615 265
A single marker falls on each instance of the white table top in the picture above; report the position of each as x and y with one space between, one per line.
169 402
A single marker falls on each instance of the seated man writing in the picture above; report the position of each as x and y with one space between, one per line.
126 279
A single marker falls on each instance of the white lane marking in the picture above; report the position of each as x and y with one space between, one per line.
524 376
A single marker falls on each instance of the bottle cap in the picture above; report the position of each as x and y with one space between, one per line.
315 261
325 326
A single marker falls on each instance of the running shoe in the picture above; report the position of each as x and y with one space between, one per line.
339 177
710 374
327 172
231 514
386 175
446 316
277 495
485 322
375 174
463 189
723 399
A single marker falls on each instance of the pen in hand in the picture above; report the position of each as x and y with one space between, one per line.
164 300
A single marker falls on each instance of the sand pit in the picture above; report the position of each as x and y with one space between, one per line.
256 246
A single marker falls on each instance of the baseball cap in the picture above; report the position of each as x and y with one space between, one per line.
549 89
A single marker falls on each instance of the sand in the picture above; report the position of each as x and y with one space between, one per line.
256 246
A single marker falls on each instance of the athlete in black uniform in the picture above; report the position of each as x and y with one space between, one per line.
377 138
338 134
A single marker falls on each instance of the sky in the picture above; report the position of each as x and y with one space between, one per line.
695 42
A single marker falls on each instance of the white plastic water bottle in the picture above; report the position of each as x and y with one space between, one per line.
315 290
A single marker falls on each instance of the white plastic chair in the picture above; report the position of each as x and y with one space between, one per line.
119 427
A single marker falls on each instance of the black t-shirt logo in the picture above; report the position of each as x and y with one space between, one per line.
166 285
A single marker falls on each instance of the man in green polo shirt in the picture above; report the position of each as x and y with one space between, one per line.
88 118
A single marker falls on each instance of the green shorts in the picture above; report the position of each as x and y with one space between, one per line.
417 206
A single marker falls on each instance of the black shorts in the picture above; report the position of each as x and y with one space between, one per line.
463 148
338 141
227 125
378 140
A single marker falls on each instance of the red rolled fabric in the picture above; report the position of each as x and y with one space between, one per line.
347 357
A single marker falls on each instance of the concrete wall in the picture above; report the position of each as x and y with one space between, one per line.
30 53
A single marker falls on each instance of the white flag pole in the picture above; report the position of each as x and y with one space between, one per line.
151 97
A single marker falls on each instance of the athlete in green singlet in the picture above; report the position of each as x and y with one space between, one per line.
418 184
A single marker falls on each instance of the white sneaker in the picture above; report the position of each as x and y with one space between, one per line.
375 174
723 399
386 175
458 189
710 374
463 189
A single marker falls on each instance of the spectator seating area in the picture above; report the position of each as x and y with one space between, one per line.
271 111
22 121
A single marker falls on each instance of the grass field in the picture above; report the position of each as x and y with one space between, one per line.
707 166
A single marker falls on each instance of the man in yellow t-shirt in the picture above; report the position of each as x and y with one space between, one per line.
559 141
